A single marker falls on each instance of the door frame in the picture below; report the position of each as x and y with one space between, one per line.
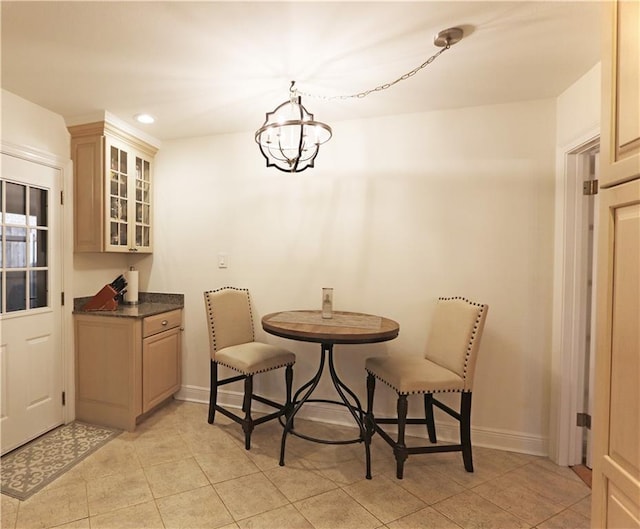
65 168
568 331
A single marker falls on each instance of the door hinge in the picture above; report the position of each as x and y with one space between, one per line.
590 187
583 420
62 198
62 298
64 398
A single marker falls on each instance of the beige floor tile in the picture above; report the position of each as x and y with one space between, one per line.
51 507
471 511
297 482
78 524
141 516
551 484
428 485
202 437
249 495
487 464
426 518
583 507
383 498
566 520
565 472
265 457
116 456
228 464
286 517
342 472
193 509
117 491
507 492
174 477
9 511
160 447
71 477
336 510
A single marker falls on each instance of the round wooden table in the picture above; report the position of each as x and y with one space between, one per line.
341 328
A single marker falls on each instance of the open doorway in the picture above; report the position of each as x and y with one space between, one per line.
573 341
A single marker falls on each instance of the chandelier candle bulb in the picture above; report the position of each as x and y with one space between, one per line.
327 303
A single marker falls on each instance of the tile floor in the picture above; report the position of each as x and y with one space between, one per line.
177 471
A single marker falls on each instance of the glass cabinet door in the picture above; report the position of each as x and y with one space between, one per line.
118 197
143 203
129 199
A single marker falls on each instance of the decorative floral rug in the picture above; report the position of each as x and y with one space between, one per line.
31 467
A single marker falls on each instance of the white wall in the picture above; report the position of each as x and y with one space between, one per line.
33 126
398 211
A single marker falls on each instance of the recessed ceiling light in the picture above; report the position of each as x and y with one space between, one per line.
144 118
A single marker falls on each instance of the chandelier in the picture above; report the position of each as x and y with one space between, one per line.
290 138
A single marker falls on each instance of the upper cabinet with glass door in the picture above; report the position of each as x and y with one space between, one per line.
112 189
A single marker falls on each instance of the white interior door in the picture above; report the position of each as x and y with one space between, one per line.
30 291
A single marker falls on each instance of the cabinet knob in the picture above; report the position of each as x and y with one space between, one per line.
165 322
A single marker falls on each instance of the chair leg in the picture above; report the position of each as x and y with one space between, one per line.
213 391
369 424
247 424
428 414
465 430
288 376
400 450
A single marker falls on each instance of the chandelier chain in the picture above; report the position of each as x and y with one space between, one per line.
384 86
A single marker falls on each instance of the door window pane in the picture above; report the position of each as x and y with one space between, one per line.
16 210
16 291
38 289
38 253
15 247
37 207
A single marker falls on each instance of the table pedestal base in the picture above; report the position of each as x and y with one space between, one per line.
355 409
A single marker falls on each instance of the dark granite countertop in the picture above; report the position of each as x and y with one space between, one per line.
150 303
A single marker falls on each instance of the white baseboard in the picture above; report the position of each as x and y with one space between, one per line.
327 413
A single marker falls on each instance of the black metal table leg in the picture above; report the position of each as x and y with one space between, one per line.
355 409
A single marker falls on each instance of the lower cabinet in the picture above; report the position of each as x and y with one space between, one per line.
125 366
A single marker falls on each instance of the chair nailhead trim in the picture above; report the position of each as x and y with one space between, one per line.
255 372
414 392
481 308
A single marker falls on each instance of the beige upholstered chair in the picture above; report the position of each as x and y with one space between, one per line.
447 366
232 344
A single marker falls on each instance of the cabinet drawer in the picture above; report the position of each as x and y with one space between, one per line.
161 322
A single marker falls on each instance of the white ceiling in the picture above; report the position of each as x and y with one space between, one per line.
213 67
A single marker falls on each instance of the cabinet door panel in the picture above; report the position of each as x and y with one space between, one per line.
108 370
88 222
161 369
617 383
620 140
